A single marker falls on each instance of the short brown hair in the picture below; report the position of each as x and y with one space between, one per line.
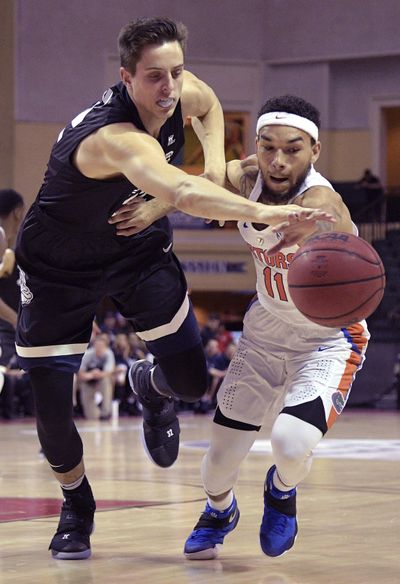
142 32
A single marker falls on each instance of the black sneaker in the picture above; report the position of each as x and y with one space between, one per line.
160 422
72 538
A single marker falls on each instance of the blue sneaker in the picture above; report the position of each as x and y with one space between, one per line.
278 526
208 534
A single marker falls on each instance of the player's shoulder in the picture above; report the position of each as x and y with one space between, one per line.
190 81
319 194
119 131
196 95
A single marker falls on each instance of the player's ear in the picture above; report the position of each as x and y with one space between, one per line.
316 150
126 77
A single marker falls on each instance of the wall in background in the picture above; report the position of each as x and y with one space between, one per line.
341 55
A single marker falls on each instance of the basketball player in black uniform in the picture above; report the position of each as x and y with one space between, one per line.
12 210
77 245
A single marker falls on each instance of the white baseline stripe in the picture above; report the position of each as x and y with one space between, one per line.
51 350
170 327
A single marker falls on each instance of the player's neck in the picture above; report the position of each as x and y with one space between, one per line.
152 123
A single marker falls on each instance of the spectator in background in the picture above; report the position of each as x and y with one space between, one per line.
138 349
224 337
122 324
372 187
109 325
210 329
12 210
96 377
128 404
212 354
219 369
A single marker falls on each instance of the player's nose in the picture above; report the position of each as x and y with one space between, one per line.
278 160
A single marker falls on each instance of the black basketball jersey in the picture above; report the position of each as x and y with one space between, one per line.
82 204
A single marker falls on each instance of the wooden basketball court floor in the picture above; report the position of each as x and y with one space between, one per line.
348 509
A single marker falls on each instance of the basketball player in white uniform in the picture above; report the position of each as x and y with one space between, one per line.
285 365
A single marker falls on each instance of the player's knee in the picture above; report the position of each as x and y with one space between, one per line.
191 390
184 375
286 447
187 389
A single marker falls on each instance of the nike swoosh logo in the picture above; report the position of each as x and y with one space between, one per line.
232 517
166 249
323 348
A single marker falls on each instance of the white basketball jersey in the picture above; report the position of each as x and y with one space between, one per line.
272 287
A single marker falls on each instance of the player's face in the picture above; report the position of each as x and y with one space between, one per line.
156 86
285 155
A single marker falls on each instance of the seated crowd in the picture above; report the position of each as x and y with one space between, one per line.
102 378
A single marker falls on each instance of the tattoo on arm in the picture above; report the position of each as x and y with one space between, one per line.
324 226
246 185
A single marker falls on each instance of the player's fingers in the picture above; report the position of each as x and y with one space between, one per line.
310 214
281 226
129 208
277 247
128 231
126 215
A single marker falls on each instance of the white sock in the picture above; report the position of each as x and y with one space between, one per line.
278 484
223 504
73 485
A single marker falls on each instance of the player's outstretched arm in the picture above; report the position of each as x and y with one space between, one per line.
318 197
200 103
123 149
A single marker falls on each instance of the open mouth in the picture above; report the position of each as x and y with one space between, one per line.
166 103
278 180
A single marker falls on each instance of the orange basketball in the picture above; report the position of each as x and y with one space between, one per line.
336 279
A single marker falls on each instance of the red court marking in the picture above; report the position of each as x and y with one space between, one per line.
22 508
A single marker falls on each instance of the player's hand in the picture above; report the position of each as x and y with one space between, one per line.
135 215
298 225
221 222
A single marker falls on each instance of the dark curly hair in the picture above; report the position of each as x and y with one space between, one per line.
292 105
9 200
